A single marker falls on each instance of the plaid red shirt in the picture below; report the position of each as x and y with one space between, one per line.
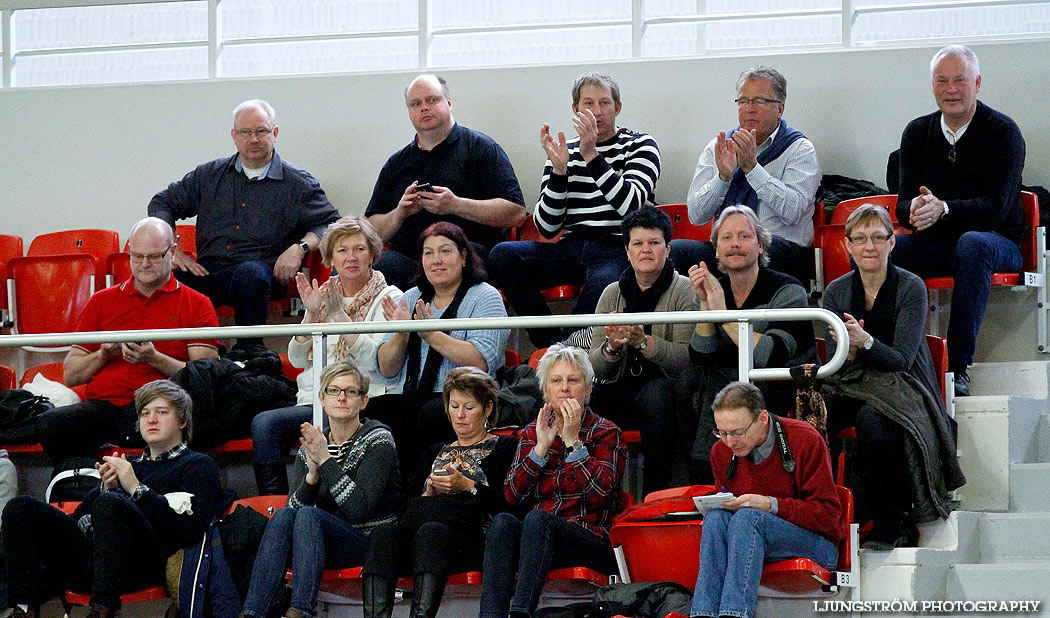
585 492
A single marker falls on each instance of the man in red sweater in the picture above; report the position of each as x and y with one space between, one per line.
785 504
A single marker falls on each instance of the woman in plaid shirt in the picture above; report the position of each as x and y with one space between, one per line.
567 469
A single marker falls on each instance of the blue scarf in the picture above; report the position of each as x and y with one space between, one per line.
740 192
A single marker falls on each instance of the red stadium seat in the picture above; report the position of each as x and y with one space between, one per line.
846 207
118 269
96 243
186 239
681 228
511 358
534 358
53 372
802 577
528 231
47 293
10 247
832 258
7 377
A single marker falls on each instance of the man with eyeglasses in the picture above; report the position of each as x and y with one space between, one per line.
764 164
151 299
448 172
258 216
742 247
960 191
785 504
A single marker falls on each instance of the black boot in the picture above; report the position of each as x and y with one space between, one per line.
271 478
377 596
427 590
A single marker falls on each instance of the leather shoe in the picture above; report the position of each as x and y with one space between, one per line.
962 384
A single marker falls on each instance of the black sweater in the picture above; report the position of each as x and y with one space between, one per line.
982 187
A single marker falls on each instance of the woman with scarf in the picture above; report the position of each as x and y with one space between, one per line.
887 389
635 366
450 284
354 294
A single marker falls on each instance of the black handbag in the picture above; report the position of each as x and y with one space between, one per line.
460 511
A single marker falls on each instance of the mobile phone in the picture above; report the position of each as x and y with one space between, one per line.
441 472
424 186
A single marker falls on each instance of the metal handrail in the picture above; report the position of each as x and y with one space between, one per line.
402 326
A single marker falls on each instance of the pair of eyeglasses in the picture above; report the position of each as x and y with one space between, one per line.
757 101
333 391
735 434
247 133
861 239
153 257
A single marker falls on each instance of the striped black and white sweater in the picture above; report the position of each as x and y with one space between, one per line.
591 199
361 482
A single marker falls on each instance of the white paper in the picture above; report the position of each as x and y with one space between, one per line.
713 501
180 501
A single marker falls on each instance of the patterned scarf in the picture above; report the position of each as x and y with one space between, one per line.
356 307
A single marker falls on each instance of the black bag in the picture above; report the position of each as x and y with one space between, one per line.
519 396
19 410
584 609
242 532
72 480
460 511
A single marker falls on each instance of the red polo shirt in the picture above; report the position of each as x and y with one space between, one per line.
122 307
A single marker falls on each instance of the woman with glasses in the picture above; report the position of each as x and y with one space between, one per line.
351 485
888 389
351 246
460 485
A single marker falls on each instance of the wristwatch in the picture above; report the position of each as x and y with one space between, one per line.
870 341
945 210
575 446
644 344
609 350
474 490
304 246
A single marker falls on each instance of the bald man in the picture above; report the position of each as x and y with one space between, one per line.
447 173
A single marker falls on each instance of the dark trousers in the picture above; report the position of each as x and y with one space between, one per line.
784 256
400 269
433 547
970 260
885 487
80 429
247 287
124 553
520 269
648 407
533 547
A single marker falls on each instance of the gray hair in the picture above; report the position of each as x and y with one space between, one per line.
768 74
740 395
594 78
348 226
173 394
258 104
765 239
160 224
869 214
577 357
957 51
441 80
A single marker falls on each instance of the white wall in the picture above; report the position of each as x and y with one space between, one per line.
93 156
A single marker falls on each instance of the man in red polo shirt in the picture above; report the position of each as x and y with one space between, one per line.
151 299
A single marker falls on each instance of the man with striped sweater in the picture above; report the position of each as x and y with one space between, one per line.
589 185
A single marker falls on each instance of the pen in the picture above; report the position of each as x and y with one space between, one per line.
723 488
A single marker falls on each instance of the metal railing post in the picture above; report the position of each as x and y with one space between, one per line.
320 342
746 353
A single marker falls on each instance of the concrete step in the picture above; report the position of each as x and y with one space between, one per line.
1000 582
1015 538
1042 431
1030 487
1021 378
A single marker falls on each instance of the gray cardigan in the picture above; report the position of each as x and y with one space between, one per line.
909 351
671 340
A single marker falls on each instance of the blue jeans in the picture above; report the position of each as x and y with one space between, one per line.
315 539
533 546
970 260
733 548
784 256
272 428
520 269
247 287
